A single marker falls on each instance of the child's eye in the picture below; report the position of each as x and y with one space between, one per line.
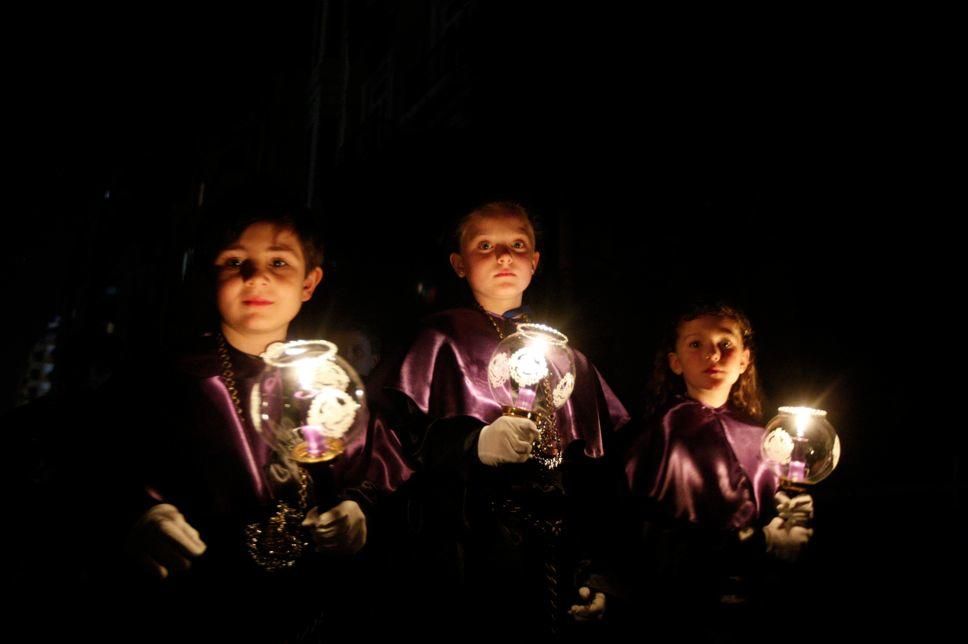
726 344
694 344
232 262
519 245
484 245
279 263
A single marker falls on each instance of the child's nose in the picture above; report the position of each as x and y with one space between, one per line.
503 252
250 272
713 355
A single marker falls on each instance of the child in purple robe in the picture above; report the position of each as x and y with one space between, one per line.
214 489
498 533
708 499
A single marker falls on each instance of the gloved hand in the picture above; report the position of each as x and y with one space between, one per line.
507 440
591 605
795 511
340 530
784 541
163 542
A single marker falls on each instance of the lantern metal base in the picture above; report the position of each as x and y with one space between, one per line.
300 453
794 487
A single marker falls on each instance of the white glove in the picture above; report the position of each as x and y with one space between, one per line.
591 606
795 511
785 542
164 542
340 530
507 440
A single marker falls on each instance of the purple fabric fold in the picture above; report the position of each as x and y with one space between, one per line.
702 465
208 462
444 373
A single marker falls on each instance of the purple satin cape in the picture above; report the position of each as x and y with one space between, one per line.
702 465
206 460
444 373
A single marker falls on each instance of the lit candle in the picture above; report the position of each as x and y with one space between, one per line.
798 466
315 439
525 398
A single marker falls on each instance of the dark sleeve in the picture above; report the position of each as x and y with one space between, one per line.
402 441
439 445
382 466
451 445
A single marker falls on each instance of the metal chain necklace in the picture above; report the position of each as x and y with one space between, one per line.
277 542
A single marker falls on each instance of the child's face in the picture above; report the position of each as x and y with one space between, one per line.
710 357
262 282
497 257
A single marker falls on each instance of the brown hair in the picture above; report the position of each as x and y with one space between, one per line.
745 394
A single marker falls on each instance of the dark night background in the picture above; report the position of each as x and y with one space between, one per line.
792 163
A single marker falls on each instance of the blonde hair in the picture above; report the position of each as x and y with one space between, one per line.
493 209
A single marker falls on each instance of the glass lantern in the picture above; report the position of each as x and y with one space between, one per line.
531 375
801 445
